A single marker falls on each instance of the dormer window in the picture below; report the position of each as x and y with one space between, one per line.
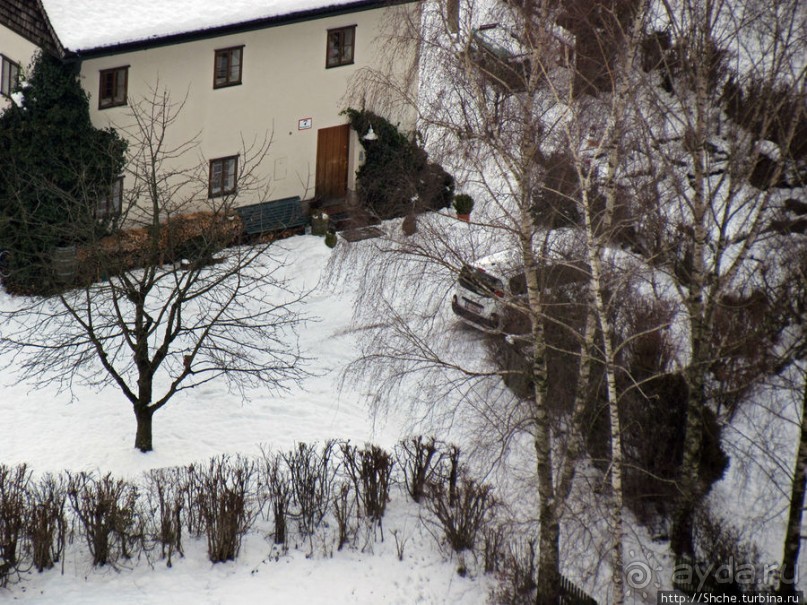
228 67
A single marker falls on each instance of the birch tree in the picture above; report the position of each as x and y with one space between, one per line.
504 101
791 299
708 147
513 92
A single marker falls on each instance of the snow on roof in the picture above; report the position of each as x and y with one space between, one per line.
89 24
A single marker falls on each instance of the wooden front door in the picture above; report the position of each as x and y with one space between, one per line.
332 148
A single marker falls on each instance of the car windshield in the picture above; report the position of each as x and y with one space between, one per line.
479 282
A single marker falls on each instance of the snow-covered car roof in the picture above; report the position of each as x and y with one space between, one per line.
552 245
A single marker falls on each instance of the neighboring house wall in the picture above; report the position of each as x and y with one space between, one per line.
16 49
284 80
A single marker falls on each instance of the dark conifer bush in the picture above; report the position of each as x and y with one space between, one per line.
56 167
397 176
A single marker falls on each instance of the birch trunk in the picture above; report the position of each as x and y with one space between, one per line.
792 547
549 532
682 531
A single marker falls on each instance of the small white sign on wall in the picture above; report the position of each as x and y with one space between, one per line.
304 123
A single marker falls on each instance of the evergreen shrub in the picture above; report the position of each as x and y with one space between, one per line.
397 176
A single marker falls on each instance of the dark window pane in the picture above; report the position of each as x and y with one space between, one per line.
229 179
120 87
221 69
223 175
235 66
227 68
340 46
112 90
10 76
112 203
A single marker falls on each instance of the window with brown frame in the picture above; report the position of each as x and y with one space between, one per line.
341 44
227 67
112 203
223 174
10 73
113 87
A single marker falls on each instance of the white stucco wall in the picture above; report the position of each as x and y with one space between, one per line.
284 80
17 49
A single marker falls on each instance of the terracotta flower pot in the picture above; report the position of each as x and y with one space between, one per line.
463 205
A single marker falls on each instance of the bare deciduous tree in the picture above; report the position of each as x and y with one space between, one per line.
500 106
677 163
720 144
173 309
791 300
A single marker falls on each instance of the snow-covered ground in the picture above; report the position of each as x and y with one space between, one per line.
95 431
50 432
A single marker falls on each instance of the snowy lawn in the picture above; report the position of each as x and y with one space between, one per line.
94 431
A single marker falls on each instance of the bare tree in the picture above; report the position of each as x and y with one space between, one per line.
793 533
721 142
498 104
503 91
173 309
791 296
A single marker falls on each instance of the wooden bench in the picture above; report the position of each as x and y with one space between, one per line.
275 215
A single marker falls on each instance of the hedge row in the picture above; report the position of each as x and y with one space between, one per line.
337 483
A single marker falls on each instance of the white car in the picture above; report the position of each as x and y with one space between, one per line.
487 291
483 287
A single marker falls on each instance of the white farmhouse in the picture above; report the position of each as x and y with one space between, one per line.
244 68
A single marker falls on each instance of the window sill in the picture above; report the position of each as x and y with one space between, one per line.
339 65
112 106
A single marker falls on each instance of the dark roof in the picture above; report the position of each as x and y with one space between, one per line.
28 19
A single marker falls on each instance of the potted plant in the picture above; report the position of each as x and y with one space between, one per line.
330 238
463 204
319 223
